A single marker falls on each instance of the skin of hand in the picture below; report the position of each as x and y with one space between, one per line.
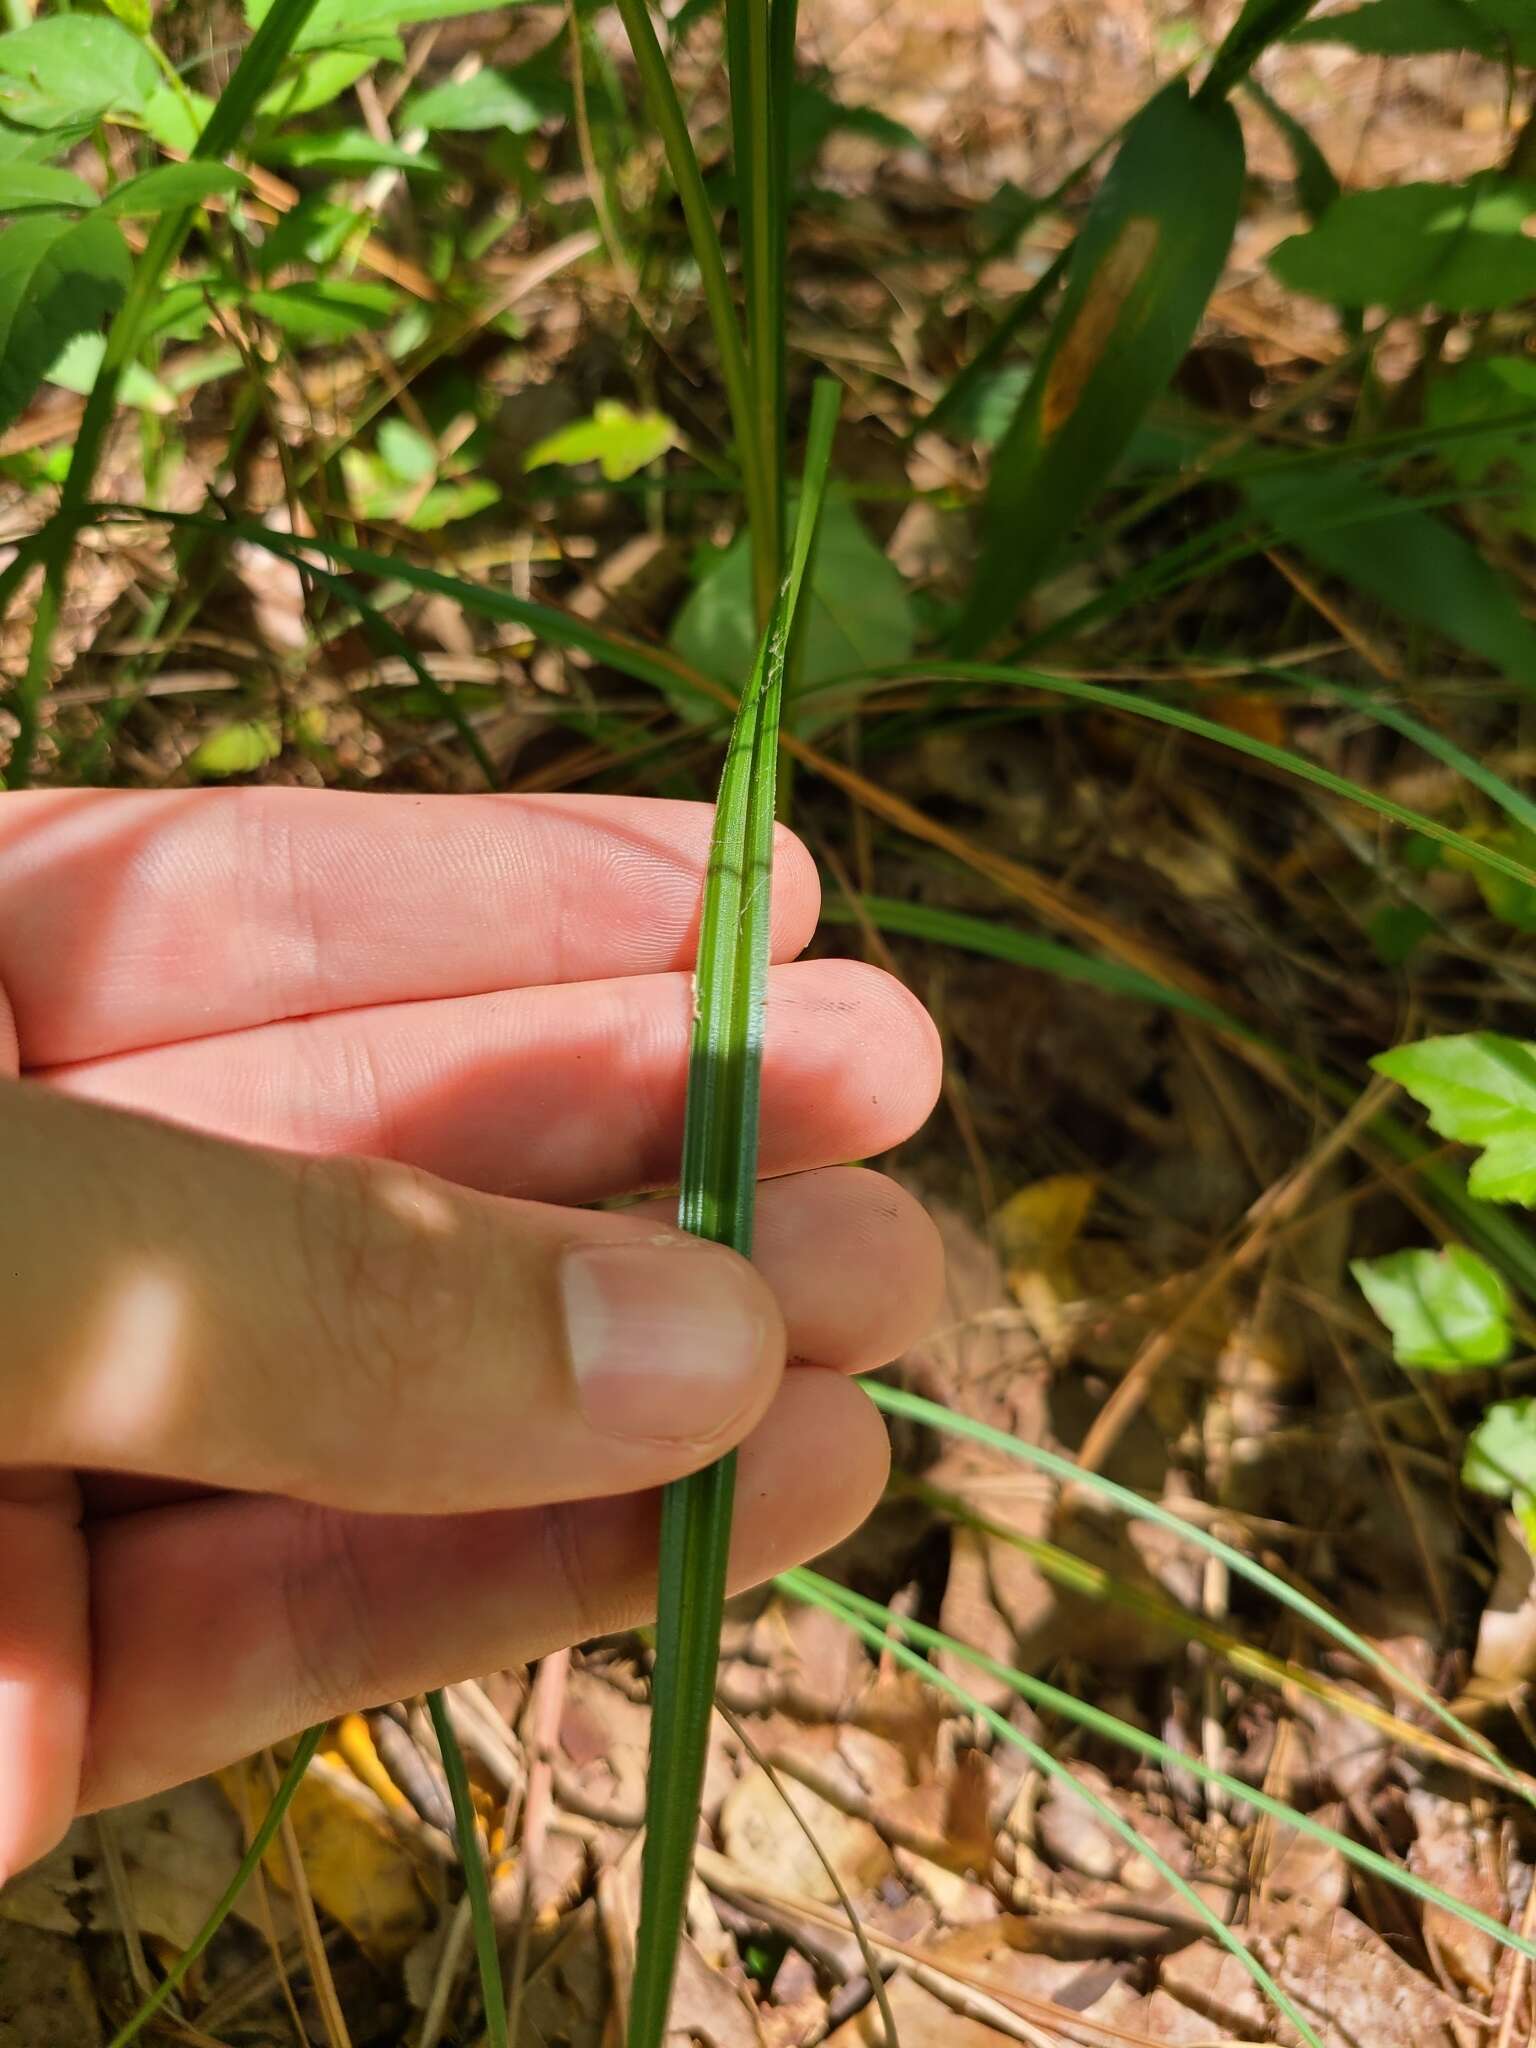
319 1384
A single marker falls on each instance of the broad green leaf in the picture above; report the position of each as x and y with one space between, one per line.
72 67
1397 930
32 188
514 101
36 145
858 614
170 185
336 22
306 83
1501 1452
80 360
406 451
1480 1089
619 441
346 151
1142 269
325 311
1411 561
1447 1310
1500 29
58 277
1460 247
235 749
176 120
1497 389
316 231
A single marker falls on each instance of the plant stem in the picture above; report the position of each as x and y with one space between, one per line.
667 112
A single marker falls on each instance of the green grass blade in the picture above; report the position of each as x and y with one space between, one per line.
718 1188
261 1841
476 1885
1142 269
897 1401
1136 705
886 1639
808 1585
672 125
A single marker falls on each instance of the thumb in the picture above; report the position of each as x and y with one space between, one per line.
352 1332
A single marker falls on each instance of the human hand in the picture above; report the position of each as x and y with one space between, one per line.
356 1404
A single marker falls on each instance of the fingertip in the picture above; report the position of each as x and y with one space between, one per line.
810 1474
870 1088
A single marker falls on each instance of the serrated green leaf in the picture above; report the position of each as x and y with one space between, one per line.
619 441
516 102
1447 1310
858 614
69 68
325 310
1480 1089
235 749
33 188
171 185
1499 29
1460 247
1416 564
58 277
1501 1452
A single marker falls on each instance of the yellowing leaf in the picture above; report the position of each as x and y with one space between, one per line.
358 1870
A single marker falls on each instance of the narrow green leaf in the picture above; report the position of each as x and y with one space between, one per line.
717 1194
472 1862
1480 1089
59 277
897 1401
667 113
1447 1310
888 1639
1142 269
169 185
882 1624
325 309
1260 23
261 1841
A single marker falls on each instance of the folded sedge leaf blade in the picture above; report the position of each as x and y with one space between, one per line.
1146 262
719 1181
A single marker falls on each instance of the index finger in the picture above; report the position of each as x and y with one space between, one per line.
130 919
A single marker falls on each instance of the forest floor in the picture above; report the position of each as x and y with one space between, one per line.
1149 1233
